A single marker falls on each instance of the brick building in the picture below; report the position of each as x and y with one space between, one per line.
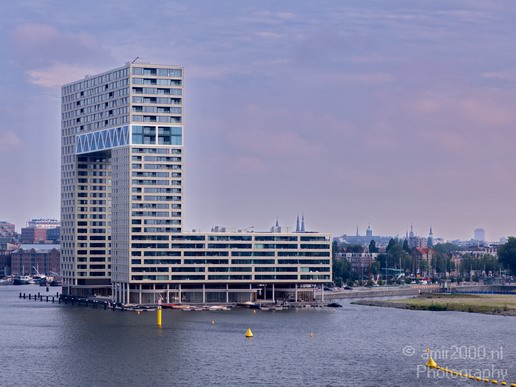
45 258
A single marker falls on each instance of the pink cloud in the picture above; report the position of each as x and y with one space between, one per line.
10 141
59 74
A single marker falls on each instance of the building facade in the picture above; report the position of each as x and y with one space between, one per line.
7 229
43 223
122 198
29 259
33 235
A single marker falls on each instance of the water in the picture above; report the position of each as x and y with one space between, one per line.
45 343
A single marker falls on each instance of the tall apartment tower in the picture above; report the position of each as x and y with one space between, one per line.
121 170
121 205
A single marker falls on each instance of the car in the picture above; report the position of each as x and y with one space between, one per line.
348 288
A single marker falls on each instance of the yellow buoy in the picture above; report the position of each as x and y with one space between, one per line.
431 363
249 333
494 381
503 383
158 317
478 378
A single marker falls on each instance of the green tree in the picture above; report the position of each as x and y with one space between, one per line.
372 246
446 248
341 269
507 254
406 246
392 243
375 267
355 249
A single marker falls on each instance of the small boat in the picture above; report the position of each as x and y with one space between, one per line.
248 304
182 307
334 305
56 283
23 280
218 307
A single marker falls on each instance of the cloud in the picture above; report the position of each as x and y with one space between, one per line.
59 74
10 141
51 56
268 34
503 75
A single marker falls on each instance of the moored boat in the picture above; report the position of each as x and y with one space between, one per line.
23 280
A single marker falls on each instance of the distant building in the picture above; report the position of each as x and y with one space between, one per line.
43 223
479 234
54 235
45 258
358 261
7 229
41 231
33 235
426 255
364 240
415 241
430 241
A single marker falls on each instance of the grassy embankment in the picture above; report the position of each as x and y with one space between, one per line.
487 304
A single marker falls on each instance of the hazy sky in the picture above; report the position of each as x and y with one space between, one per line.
353 112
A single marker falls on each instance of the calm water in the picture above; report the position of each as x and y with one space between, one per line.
51 344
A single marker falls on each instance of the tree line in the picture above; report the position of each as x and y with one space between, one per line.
398 255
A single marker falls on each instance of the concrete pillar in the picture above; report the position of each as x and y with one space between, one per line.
179 294
273 296
204 293
140 295
168 293
295 292
227 293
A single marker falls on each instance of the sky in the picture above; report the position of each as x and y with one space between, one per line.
350 112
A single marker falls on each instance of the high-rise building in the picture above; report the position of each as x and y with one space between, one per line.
479 234
121 205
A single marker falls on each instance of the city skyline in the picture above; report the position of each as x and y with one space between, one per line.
393 117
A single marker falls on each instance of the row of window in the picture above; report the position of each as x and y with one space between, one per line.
160 72
94 81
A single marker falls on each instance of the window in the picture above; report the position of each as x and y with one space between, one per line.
144 135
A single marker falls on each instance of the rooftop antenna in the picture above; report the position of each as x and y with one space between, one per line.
135 59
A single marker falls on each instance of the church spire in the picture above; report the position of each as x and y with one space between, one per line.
303 223
298 229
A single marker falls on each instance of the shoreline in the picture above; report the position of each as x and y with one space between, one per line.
492 305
